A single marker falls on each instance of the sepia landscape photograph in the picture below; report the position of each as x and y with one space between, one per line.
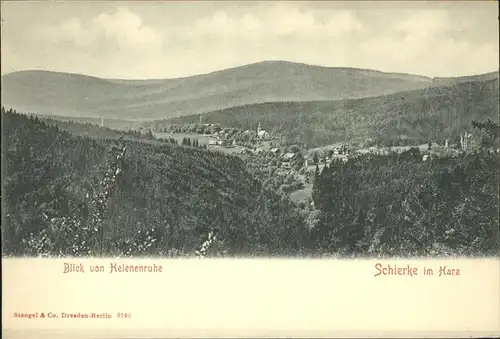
250 129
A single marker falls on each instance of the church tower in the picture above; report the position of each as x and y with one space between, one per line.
258 128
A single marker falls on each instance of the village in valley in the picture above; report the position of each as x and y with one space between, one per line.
293 167
219 132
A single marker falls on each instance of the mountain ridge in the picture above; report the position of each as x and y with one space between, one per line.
72 94
263 63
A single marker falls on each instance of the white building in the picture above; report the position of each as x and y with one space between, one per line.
288 156
261 134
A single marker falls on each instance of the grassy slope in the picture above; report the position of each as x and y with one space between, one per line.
434 113
117 124
78 95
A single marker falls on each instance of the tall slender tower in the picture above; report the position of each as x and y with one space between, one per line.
102 121
258 128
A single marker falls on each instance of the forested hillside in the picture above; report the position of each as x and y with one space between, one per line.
405 118
69 195
64 194
399 205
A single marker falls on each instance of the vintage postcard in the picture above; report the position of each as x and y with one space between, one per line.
180 169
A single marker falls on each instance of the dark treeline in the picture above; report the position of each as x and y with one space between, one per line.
191 142
163 199
489 126
246 138
164 126
399 205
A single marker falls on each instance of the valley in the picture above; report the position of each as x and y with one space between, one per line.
316 162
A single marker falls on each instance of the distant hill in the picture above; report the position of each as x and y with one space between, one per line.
85 96
479 77
405 118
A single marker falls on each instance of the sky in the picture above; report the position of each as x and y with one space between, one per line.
170 39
